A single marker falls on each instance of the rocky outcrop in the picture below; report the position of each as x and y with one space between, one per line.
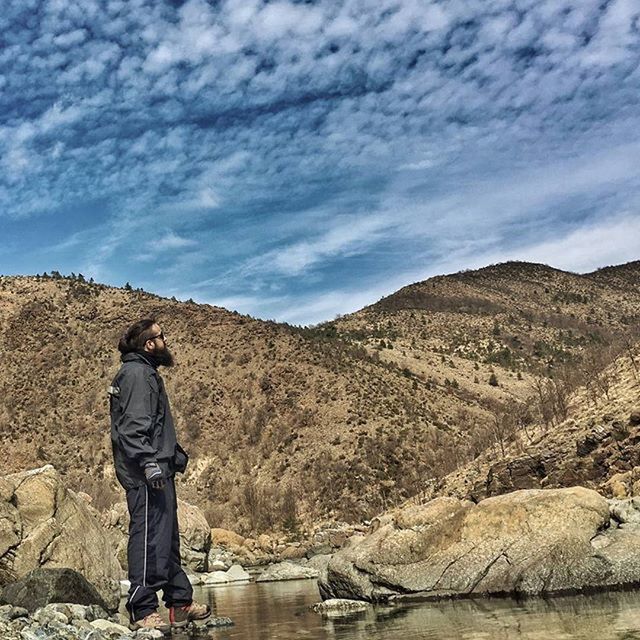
526 542
195 536
43 524
41 587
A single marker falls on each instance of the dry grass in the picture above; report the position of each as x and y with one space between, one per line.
336 422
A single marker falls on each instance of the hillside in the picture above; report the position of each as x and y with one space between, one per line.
596 446
282 423
289 426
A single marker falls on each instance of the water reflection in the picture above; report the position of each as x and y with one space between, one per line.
281 610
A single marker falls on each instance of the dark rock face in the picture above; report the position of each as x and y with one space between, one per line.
44 586
520 473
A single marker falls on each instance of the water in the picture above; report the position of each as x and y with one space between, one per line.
280 610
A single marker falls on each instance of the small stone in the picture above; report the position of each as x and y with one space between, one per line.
94 611
47 616
149 633
82 624
9 612
237 574
125 585
78 612
218 565
216 577
335 607
619 431
110 627
194 578
634 418
219 622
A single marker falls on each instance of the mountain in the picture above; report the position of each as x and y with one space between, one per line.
289 426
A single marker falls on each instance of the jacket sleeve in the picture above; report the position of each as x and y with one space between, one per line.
135 428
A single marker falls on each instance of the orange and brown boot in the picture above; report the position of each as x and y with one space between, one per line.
182 616
152 621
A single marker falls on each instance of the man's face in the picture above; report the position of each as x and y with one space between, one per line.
157 346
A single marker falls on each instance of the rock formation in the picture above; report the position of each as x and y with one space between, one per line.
41 587
43 524
526 542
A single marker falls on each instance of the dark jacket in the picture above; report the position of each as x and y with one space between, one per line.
142 428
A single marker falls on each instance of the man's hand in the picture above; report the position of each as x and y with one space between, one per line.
153 475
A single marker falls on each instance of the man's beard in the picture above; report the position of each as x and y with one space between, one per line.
164 357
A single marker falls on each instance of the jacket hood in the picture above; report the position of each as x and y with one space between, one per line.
136 356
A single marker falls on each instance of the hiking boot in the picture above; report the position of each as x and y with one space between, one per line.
182 616
152 621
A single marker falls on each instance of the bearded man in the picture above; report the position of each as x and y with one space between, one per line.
146 457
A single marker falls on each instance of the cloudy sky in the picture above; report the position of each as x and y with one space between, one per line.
299 159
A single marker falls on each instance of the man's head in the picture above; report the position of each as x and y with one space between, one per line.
146 336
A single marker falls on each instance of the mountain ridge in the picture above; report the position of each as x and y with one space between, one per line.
290 426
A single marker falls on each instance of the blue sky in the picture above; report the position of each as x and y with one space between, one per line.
296 160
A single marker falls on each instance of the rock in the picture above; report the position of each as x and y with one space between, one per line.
319 550
195 536
251 544
125 585
619 431
41 587
634 417
524 543
194 579
219 622
43 524
337 537
110 627
215 577
9 612
150 633
320 564
265 543
237 574
47 616
218 565
226 538
617 486
625 511
294 552
591 441
236 555
339 606
287 571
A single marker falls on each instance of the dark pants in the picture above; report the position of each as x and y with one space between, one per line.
154 551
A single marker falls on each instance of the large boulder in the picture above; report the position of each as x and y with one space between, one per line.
41 587
195 536
44 524
523 543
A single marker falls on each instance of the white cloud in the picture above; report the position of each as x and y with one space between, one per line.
425 132
600 243
170 241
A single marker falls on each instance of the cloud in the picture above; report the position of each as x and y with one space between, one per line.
169 241
292 146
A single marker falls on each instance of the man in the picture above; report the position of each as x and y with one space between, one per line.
146 457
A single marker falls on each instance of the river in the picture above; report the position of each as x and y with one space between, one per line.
280 610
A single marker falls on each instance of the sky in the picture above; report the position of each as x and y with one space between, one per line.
295 160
